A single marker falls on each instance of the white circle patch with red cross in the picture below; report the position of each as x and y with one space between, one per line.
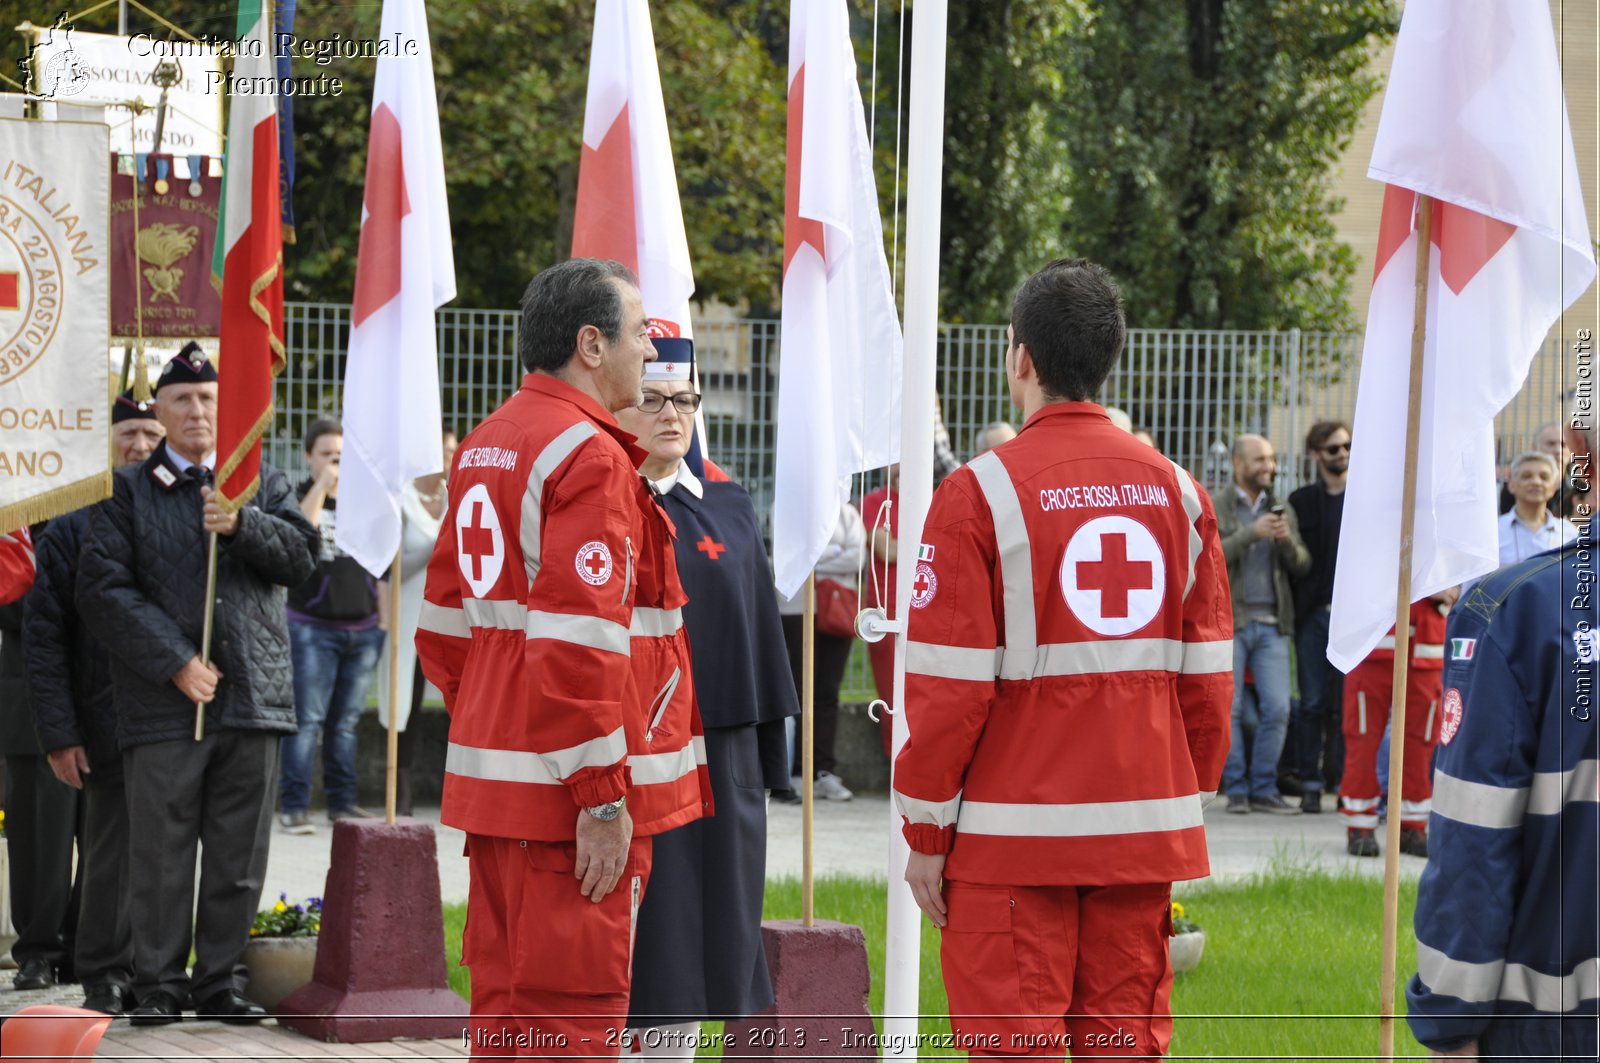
1113 575
1450 718
480 545
594 562
924 586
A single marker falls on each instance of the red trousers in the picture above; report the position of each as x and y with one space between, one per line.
551 970
1367 697
1041 971
881 654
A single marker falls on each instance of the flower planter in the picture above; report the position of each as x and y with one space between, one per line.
1186 950
278 966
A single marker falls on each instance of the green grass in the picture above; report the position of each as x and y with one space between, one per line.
1291 967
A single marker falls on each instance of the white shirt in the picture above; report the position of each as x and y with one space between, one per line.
1518 543
182 464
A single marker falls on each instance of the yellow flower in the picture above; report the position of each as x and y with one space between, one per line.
280 907
1177 910
255 932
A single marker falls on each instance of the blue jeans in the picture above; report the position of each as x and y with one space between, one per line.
332 668
1260 648
1321 703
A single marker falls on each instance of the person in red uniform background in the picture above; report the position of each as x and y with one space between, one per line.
16 565
552 622
1368 693
1069 684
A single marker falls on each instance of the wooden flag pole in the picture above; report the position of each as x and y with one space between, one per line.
808 695
207 626
392 756
1402 637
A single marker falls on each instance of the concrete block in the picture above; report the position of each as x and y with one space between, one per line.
820 979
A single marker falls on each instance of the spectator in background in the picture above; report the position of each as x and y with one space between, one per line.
1530 528
422 506
992 435
70 682
1120 418
841 560
1550 439
334 636
1147 437
142 592
1261 542
1319 508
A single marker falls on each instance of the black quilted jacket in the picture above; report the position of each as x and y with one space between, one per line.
69 674
141 591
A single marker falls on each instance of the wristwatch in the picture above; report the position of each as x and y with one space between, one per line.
609 811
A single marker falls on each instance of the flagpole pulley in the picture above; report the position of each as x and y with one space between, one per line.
873 624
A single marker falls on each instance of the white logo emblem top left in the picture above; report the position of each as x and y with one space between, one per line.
480 545
1113 575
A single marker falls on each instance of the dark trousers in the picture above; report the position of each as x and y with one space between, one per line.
104 952
832 654
216 794
1319 739
406 748
41 820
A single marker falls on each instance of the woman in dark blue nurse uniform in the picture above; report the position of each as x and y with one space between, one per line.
698 953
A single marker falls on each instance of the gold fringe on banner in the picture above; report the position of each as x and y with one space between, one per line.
61 500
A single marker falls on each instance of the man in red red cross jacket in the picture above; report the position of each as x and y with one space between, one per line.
1068 688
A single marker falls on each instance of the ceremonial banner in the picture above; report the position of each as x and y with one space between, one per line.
55 388
161 271
405 269
1474 117
628 207
248 264
841 352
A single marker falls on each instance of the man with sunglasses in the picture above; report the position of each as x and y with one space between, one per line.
1318 754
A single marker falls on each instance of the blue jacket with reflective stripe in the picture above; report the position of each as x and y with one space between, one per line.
1506 920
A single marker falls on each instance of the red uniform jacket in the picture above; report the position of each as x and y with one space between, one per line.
552 622
1427 640
1069 674
16 565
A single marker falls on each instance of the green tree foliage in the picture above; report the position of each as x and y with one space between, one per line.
1200 140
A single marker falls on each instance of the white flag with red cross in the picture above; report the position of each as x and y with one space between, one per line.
1475 118
628 207
405 269
841 352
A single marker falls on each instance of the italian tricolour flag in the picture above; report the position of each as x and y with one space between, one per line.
248 263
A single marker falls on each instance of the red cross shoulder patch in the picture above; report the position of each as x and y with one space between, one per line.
925 586
1450 721
594 562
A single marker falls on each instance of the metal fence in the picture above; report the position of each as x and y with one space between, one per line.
1194 390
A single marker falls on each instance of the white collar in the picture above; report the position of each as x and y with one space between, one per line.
681 475
183 464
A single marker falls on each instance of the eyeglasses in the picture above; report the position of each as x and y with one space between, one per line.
1336 448
683 402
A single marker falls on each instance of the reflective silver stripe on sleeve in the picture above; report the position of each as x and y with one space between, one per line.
938 813
1499 807
650 769
505 615
1428 651
443 620
515 765
1553 790
951 662
1192 509
1016 564
655 623
1086 820
1207 658
1482 983
554 453
591 631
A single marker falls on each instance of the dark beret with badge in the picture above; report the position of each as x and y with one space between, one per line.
189 366
127 409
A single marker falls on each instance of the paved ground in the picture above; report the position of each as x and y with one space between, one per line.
851 838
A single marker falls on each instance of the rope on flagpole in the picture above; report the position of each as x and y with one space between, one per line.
1402 638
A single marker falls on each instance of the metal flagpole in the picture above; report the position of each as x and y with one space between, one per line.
1402 638
392 755
924 167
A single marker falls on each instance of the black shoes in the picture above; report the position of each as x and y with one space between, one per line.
156 1008
1359 841
34 974
785 797
1239 804
229 1006
1311 802
1414 842
111 998
1274 804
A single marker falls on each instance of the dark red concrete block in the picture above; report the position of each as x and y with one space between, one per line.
820 979
380 957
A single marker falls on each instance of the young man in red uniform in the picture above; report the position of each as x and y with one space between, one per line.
1368 695
552 623
1068 687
